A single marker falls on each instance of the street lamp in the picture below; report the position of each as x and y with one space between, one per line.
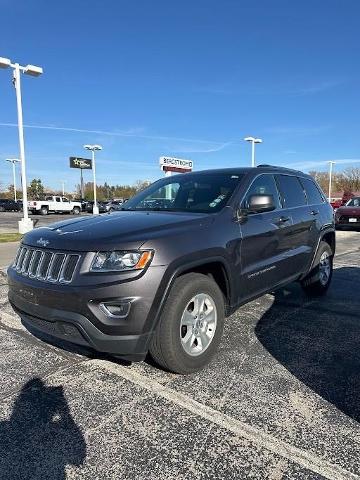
25 224
253 140
331 163
14 161
94 148
63 187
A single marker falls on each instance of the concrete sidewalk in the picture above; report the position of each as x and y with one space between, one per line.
7 253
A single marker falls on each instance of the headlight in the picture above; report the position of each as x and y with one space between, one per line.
119 261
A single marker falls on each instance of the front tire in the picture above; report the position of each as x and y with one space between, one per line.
318 280
191 325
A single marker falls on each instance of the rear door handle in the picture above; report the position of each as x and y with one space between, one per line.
314 212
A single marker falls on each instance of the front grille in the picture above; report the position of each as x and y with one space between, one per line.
46 265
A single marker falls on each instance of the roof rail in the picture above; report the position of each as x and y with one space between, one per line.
278 167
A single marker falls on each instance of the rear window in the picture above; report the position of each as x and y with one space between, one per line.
312 192
291 191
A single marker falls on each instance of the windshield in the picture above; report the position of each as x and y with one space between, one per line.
202 193
354 202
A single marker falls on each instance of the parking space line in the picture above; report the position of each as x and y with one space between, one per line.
279 447
346 253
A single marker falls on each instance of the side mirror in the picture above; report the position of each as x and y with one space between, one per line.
261 203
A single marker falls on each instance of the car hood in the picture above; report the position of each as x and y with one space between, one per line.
348 211
126 230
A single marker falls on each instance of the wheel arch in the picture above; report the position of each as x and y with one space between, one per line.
215 267
217 271
330 238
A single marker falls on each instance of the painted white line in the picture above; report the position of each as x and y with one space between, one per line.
302 457
347 252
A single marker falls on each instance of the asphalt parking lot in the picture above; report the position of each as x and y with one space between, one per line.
9 220
280 401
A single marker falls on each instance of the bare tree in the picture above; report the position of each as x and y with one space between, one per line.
350 179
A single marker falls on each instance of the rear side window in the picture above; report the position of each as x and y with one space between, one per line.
291 191
312 192
263 185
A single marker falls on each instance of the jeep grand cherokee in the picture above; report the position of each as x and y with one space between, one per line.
162 274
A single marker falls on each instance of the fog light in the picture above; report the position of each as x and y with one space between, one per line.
116 310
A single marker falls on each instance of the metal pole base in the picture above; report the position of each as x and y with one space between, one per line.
25 225
96 210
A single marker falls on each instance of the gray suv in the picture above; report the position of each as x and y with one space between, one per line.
161 275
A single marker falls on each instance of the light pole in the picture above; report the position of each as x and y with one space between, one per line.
63 187
14 161
94 148
253 140
25 224
331 163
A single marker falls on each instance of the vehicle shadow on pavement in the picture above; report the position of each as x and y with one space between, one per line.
317 340
40 438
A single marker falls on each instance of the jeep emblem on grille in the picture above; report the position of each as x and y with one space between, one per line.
43 242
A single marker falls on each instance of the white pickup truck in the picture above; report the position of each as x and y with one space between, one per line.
55 204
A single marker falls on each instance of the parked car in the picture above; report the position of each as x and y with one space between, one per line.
348 215
83 203
54 204
7 205
163 279
90 206
336 204
114 205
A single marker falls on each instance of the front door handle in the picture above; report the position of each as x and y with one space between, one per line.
314 212
282 220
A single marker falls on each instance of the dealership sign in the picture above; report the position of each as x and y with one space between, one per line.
171 164
83 163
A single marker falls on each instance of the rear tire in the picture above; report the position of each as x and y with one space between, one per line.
318 280
2 209
76 211
44 211
191 325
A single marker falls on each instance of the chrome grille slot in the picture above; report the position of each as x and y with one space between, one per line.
21 259
69 268
35 263
46 265
27 261
55 268
17 257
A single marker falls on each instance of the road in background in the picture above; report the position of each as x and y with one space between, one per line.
280 401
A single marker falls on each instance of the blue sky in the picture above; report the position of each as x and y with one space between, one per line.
188 78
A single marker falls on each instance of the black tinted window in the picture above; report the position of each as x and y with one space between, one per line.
291 191
354 202
312 192
263 185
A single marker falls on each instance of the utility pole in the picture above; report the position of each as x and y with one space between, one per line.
331 163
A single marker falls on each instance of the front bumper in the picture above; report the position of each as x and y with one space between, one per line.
73 313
